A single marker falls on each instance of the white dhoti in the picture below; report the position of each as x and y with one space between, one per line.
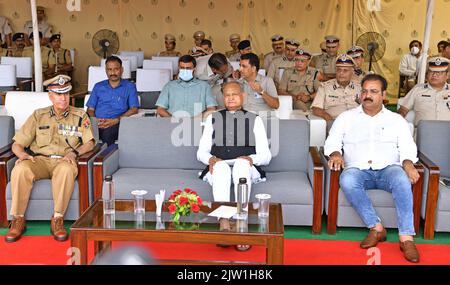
223 174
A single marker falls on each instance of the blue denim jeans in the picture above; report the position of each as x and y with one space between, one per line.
393 179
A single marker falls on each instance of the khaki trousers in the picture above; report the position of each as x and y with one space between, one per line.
23 175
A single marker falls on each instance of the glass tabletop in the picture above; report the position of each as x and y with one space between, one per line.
125 219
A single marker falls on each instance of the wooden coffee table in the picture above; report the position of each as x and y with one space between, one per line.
198 228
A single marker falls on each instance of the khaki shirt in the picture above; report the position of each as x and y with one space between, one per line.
325 63
277 64
268 59
45 28
428 103
232 53
14 52
49 57
335 99
169 53
358 75
294 82
43 132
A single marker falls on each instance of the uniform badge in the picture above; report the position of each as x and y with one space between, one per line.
87 124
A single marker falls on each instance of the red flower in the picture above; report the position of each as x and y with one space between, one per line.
195 208
195 193
183 200
199 200
172 208
188 190
178 192
172 197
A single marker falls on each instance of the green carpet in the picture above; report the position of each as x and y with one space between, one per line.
42 228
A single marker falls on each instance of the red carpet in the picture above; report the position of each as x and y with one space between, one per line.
44 250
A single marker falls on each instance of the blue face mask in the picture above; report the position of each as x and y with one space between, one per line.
186 74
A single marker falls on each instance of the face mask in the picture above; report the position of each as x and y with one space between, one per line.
186 74
415 50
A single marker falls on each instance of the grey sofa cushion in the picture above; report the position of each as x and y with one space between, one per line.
42 190
148 143
286 188
6 130
153 180
289 146
444 198
433 140
379 198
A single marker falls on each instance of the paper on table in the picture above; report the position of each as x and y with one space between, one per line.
224 212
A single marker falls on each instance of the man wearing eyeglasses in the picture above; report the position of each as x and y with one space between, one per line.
430 101
301 82
376 150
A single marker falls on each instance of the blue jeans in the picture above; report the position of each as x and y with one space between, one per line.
109 135
393 179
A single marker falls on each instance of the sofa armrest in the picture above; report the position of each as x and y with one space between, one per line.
431 196
315 173
106 163
7 161
417 190
5 149
83 177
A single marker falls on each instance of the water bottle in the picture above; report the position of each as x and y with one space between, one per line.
109 201
242 199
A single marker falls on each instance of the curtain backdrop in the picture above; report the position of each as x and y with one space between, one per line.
141 25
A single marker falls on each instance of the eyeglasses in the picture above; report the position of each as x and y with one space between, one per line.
438 72
371 91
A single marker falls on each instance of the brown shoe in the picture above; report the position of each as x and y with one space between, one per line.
16 230
410 251
373 238
57 229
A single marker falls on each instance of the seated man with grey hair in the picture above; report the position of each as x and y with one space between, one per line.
234 146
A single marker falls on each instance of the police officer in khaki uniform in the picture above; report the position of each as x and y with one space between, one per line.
327 62
301 82
337 95
19 49
357 53
278 50
54 137
430 101
56 60
280 64
170 43
198 36
235 39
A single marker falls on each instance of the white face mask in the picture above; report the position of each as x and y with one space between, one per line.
186 74
415 50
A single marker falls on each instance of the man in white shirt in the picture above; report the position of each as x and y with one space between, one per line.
5 32
410 64
233 146
376 144
216 70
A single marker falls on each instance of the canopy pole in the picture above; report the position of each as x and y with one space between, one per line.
37 49
426 41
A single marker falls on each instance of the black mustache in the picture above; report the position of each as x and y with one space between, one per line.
368 99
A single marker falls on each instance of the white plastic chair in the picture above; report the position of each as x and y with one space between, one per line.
24 65
133 60
20 105
285 109
8 76
138 54
173 60
318 130
126 64
150 80
158 65
96 74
